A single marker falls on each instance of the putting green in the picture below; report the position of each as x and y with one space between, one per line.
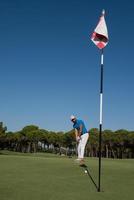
48 177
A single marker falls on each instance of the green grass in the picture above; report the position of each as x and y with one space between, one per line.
48 177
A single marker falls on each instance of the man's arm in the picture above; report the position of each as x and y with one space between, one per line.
76 133
80 130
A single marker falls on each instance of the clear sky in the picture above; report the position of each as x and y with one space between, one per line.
50 68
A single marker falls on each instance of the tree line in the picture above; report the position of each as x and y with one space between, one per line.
32 139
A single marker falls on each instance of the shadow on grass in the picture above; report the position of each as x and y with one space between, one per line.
89 175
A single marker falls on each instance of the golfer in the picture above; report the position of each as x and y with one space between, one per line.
81 135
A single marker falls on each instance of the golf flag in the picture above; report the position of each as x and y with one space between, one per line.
100 38
100 34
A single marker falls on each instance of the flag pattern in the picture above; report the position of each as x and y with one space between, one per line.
100 34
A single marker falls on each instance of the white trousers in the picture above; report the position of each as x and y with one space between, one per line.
82 144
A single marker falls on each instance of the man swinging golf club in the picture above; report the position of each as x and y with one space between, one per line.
82 136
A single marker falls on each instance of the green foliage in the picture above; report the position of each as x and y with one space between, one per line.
2 129
115 144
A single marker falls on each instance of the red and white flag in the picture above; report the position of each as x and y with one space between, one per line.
100 34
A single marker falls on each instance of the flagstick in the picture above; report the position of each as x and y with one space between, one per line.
100 130
100 38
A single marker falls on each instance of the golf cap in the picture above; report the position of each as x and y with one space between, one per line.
72 117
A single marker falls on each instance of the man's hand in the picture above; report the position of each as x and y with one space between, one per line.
78 138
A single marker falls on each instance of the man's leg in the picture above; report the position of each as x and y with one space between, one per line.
84 139
79 149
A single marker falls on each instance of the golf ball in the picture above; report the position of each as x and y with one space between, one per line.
85 171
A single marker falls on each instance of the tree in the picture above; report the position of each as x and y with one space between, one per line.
3 130
93 144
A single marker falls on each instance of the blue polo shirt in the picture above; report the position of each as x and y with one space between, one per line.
77 126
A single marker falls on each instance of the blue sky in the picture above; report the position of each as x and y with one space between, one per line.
50 69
